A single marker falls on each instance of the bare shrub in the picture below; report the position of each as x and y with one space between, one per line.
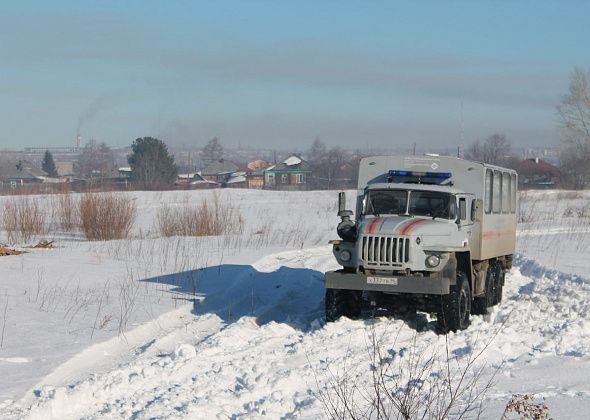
167 221
527 208
22 218
66 212
408 382
106 216
205 219
584 211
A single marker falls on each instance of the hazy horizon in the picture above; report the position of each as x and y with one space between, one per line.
279 74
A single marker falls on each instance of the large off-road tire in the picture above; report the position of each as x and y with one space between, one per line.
342 303
455 308
493 293
500 275
482 303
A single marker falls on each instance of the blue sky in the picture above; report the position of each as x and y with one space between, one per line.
278 74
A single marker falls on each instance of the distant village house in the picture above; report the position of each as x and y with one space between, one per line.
219 171
536 173
291 174
194 181
22 173
255 173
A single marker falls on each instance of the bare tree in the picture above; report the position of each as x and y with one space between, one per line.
96 160
574 124
8 161
333 167
317 152
316 157
494 150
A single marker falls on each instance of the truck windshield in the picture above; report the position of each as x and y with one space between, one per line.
386 202
432 203
420 203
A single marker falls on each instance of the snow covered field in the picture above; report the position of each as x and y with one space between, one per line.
232 326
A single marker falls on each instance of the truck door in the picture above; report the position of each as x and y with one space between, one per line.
465 216
465 205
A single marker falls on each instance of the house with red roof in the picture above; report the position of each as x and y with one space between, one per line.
536 173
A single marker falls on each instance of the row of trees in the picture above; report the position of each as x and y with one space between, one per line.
335 167
332 167
573 114
153 165
150 161
96 160
495 150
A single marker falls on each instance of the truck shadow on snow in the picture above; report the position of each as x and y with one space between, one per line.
294 296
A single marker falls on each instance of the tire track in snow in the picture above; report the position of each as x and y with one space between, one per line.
243 369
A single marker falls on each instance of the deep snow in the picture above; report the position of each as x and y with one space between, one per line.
233 327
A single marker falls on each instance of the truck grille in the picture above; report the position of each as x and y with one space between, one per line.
385 250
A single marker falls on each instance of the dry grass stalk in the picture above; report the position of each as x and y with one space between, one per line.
67 214
43 244
22 218
205 219
106 216
4 251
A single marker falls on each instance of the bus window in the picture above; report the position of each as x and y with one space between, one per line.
488 192
513 193
497 192
506 192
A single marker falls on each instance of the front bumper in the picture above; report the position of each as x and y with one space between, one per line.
392 284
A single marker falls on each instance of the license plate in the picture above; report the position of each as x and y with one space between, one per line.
390 281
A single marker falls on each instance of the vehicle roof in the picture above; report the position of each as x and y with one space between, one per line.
449 159
466 175
411 186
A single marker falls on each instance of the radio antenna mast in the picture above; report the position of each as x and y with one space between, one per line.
462 133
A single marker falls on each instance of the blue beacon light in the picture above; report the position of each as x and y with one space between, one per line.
439 175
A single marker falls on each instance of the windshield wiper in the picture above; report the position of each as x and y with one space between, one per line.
439 213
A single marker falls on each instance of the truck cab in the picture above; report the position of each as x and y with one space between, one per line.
417 239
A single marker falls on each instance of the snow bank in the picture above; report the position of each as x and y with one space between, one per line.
245 367
250 341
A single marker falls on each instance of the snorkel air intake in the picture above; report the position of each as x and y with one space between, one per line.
346 228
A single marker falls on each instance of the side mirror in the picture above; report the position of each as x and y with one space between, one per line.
342 212
346 228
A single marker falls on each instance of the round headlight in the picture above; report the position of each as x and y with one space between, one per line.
345 255
432 261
